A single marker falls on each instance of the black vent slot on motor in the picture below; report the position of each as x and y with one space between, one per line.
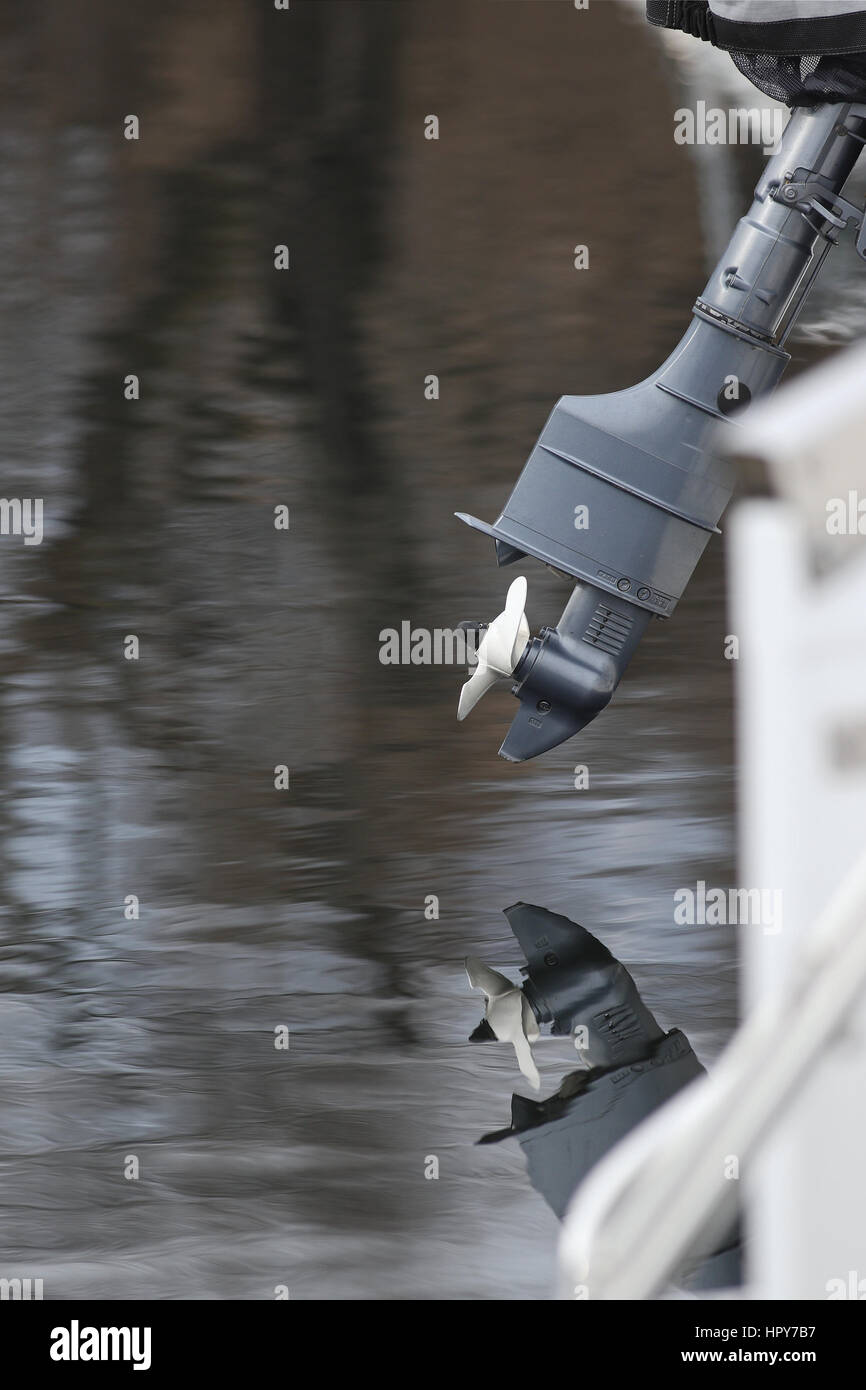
607 630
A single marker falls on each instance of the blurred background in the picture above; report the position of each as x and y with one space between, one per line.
409 257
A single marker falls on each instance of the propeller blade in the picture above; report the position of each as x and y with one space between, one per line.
500 649
500 638
477 685
481 976
508 1013
526 1062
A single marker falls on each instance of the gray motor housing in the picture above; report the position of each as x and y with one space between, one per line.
573 980
631 1067
623 491
565 1136
639 461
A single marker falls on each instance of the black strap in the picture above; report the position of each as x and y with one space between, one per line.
831 34
692 16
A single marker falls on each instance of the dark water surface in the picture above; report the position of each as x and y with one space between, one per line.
155 1037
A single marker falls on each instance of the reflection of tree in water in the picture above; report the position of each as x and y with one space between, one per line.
307 173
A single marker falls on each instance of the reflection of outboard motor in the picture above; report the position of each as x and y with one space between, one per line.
631 1067
621 492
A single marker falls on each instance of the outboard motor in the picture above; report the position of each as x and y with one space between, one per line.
623 491
630 1066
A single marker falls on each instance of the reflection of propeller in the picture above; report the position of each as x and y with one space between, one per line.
508 1012
500 650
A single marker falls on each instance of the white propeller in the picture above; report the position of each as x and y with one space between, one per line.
500 649
509 1014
